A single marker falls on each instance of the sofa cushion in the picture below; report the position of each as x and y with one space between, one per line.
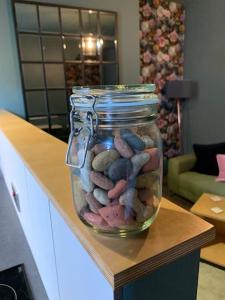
197 184
221 165
206 158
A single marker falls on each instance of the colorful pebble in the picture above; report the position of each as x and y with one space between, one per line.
94 205
153 163
101 180
118 189
122 147
98 148
146 196
80 196
113 215
147 180
101 196
120 169
104 159
148 141
85 181
138 161
114 202
94 219
128 197
133 140
129 214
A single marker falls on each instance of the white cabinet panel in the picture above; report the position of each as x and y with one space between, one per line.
14 173
79 277
40 237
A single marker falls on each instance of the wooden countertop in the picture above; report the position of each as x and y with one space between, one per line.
174 233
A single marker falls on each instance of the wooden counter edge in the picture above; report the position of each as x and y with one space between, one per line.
164 258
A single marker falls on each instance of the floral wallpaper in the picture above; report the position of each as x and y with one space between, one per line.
161 54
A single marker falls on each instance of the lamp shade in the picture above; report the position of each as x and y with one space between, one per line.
178 89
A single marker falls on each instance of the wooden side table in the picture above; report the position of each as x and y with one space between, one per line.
214 252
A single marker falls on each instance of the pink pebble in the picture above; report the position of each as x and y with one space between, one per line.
98 148
122 147
118 189
101 180
153 163
94 219
113 215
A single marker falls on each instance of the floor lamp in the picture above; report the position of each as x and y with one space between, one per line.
178 90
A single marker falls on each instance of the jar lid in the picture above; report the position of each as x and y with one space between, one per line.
114 96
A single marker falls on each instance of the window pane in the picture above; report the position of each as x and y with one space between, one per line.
52 48
72 49
89 21
70 21
108 51
91 75
49 19
55 75
109 74
91 48
58 122
107 24
73 75
36 103
57 102
30 47
41 122
33 76
26 17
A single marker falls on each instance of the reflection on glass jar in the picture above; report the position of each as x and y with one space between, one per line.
115 158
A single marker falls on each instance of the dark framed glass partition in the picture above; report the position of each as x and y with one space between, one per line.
59 47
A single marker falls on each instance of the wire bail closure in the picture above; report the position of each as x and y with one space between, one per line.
92 118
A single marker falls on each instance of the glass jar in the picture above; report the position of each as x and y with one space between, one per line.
115 157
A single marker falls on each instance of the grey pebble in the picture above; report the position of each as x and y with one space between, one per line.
130 198
85 181
120 169
138 161
101 196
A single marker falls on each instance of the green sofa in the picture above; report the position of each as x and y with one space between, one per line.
188 184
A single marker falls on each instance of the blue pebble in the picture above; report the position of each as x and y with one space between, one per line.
133 140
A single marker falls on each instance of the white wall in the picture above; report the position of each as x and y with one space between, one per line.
128 27
11 97
204 62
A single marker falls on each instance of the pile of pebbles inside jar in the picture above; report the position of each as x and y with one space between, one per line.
114 190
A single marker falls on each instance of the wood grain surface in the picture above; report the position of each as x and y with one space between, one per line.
204 204
174 233
213 252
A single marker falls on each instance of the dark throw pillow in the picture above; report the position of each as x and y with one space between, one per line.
206 162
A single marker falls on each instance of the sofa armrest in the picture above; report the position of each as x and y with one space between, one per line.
176 166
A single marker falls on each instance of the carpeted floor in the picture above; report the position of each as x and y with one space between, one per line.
211 283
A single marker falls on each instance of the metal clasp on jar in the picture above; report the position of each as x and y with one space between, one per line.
91 125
